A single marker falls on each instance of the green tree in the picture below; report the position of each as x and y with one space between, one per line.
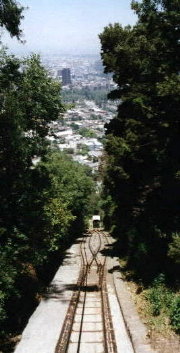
29 101
143 143
85 132
11 16
66 197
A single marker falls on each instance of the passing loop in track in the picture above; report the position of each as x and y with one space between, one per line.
93 267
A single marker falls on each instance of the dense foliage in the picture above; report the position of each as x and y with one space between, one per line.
85 132
11 16
99 96
44 195
142 176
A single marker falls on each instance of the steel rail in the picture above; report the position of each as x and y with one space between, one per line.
94 253
62 344
84 299
82 315
88 266
117 296
82 283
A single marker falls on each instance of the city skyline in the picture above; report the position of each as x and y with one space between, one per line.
67 27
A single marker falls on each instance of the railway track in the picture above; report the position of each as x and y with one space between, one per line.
88 326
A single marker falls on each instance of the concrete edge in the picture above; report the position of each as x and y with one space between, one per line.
135 327
49 315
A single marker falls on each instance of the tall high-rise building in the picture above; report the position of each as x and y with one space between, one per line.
66 77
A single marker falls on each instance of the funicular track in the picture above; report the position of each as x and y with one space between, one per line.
88 325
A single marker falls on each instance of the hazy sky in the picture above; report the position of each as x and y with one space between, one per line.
68 26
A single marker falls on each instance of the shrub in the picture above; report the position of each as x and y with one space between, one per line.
175 314
159 296
174 248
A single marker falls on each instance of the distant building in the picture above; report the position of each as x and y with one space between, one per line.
66 77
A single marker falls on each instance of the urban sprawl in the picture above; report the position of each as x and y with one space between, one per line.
84 89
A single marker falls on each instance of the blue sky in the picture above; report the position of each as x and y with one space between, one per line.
68 26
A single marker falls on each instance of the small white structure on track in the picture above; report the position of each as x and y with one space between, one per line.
96 221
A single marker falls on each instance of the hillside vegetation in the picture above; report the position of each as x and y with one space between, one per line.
142 167
44 196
